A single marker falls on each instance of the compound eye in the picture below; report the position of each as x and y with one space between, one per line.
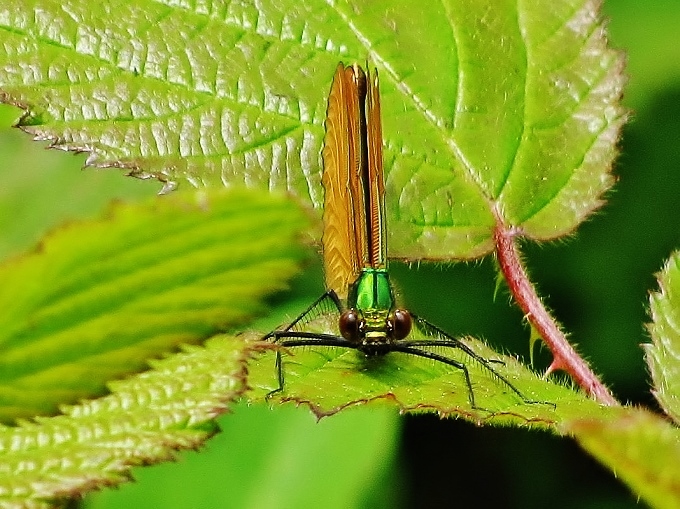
349 324
401 323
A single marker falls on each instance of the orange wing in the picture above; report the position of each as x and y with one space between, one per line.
353 235
375 176
343 247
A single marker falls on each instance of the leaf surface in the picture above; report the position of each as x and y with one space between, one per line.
100 297
144 420
329 379
281 448
511 110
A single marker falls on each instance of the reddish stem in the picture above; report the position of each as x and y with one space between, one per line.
564 355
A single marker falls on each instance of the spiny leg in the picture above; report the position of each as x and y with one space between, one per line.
431 330
318 303
279 377
445 340
301 339
404 348
417 345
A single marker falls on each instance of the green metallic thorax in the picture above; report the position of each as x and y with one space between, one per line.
371 294
371 291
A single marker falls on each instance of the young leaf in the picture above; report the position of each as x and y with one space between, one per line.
663 354
510 111
145 420
100 297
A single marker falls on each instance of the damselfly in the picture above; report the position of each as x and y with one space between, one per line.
354 252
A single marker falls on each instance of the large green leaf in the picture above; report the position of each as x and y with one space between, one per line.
638 446
509 110
100 297
329 379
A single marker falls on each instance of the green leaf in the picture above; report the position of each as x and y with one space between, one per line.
635 444
663 353
145 419
283 449
639 447
100 297
331 379
511 110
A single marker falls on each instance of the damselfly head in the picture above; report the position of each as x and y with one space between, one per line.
374 327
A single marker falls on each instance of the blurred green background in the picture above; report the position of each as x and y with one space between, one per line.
596 282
